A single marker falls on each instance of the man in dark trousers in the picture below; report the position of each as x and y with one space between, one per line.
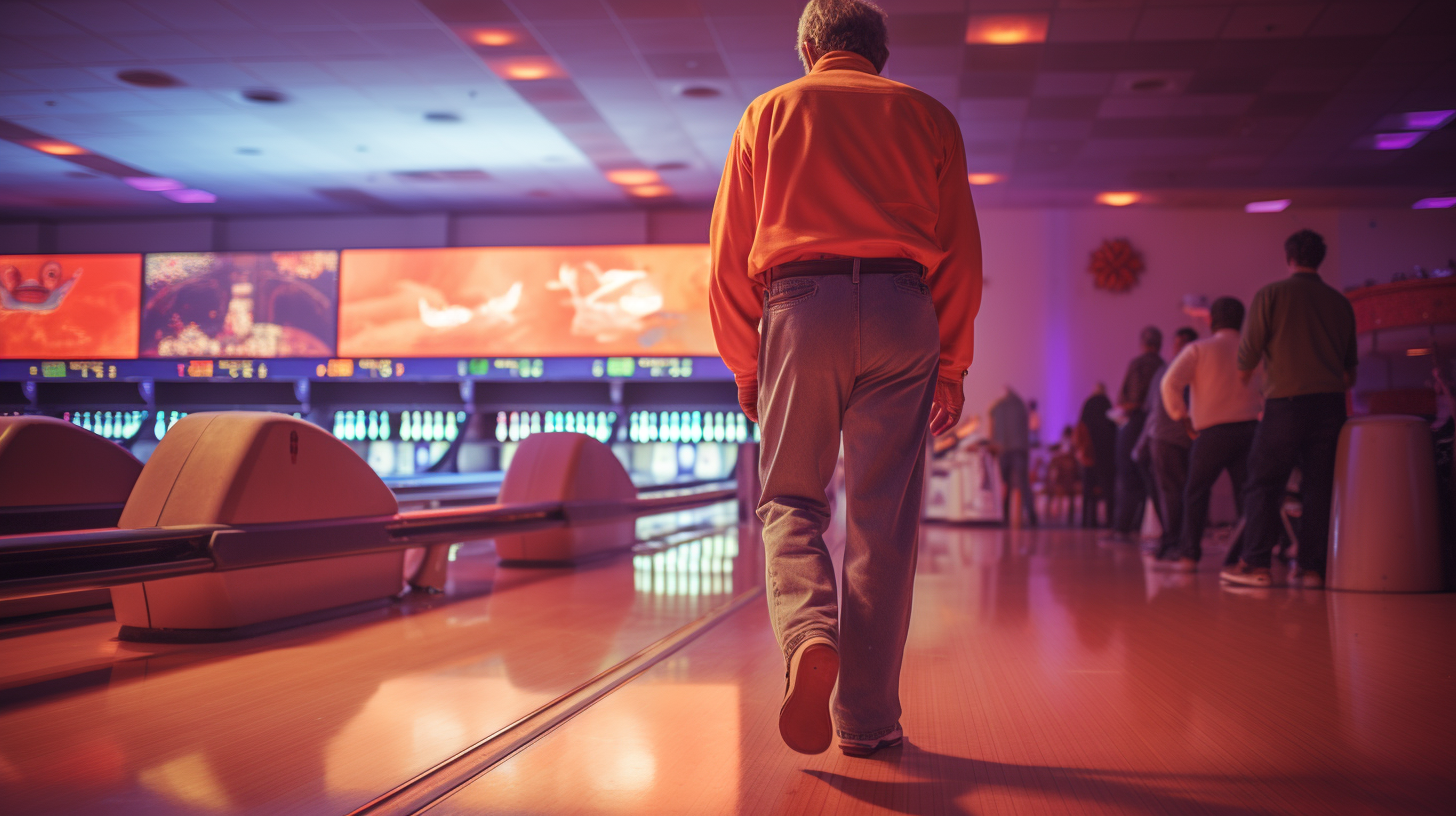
1224 408
1165 442
1011 439
1132 481
846 277
1303 331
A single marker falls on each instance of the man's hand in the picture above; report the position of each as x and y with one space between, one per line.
945 409
748 398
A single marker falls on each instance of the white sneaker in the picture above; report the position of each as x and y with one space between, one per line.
863 748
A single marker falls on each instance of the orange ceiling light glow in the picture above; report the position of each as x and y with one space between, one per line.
1118 199
980 179
526 69
1006 29
494 37
56 148
632 177
650 190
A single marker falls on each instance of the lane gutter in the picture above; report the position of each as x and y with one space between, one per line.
425 790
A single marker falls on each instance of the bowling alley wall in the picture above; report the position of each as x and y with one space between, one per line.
1044 328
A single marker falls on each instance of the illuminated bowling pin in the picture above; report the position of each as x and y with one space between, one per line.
515 428
451 429
500 426
358 424
373 425
384 431
535 422
160 428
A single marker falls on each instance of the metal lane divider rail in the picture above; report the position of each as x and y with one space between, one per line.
48 563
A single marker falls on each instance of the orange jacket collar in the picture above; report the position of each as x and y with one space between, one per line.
843 61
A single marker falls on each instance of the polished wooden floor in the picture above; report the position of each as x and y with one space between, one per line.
1046 672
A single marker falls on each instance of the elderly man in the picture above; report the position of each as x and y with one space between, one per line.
846 278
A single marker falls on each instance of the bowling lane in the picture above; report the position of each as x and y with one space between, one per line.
1045 673
323 718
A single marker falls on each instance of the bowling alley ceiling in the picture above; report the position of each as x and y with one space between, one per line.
249 106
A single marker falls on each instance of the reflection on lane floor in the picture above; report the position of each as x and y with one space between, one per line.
321 719
1045 673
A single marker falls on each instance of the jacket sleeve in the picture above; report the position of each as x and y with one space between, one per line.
735 300
955 283
1179 376
1255 339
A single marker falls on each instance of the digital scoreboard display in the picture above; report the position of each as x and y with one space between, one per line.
607 301
240 304
69 306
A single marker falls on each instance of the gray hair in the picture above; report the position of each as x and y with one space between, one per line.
845 25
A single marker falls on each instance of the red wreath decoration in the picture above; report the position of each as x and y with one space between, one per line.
1115 265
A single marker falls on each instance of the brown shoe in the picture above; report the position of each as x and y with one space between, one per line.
1306 579
1245 575
804 721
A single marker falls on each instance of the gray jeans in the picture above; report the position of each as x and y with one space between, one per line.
858 358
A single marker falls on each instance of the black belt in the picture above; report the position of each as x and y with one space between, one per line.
846 266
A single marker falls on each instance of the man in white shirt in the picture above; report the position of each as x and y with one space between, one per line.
1225 413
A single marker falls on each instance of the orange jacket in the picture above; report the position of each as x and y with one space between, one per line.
844 163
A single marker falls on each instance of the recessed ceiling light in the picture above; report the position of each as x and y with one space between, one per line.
145 78
1118 199
153 184
632 177
526 69
264 96
467 174
1440 203
1006 29
494 37
55 147
446 117
249 151
1391 141
650 190
980 179
700 92
671 165
1418 120
77 174
1273 206
190 196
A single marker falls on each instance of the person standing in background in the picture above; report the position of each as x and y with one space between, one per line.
1132 489
1303 331
1033 424
1224 411
1166 441
1096 445
1011 440
846 278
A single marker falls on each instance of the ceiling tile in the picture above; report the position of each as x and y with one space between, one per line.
1305 80
935 30
1063 107
26 20
997 83
974 110
686 66
243 44
919 61
374 13
1072 83
62 79
1092 25
330 43
1362 19
670 36
82 50
628 9
1003 57
194 15
161 46
1181 22
1256 21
